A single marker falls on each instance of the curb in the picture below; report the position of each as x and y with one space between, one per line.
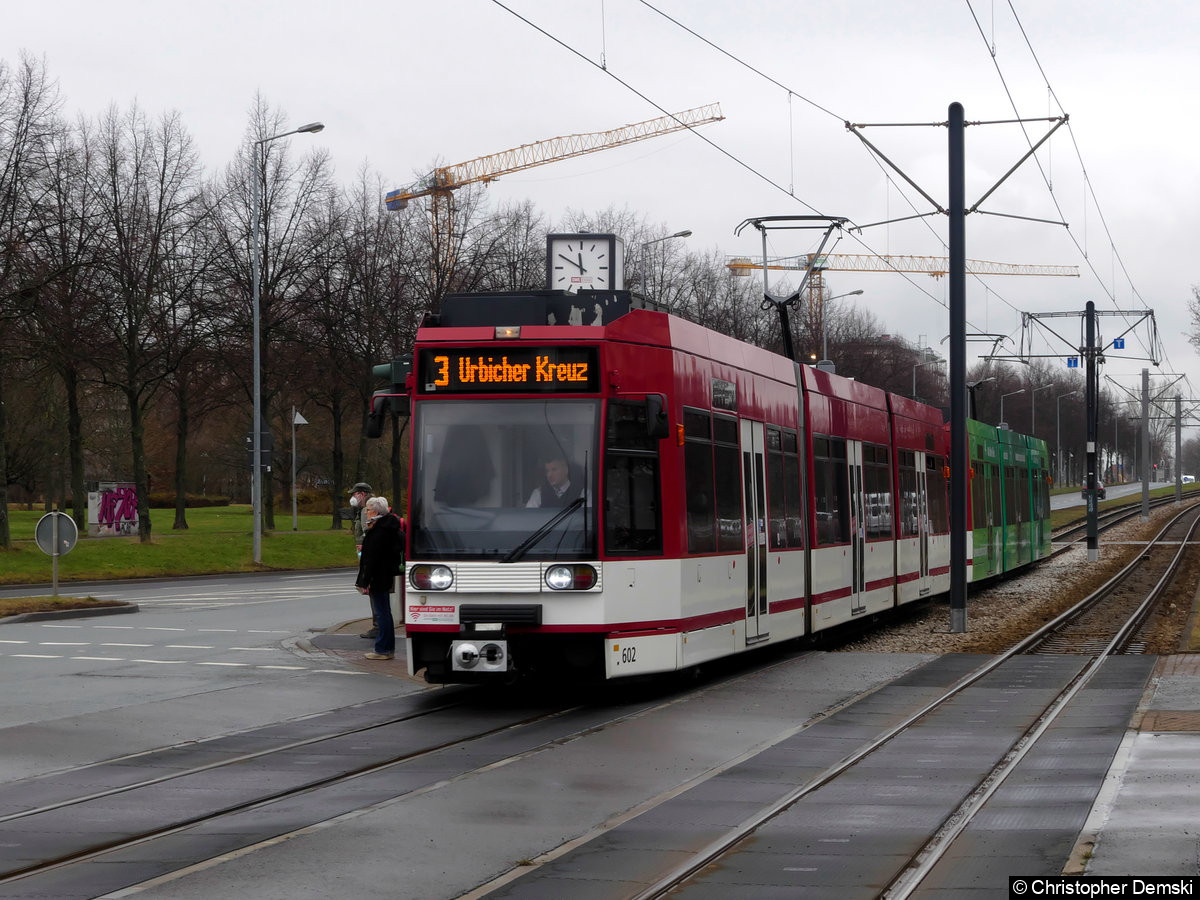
71 613
155 579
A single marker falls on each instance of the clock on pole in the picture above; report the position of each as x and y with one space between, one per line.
585 262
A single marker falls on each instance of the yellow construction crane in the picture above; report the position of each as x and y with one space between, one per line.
440 184
937 266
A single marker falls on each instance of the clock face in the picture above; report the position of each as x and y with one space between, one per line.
583 262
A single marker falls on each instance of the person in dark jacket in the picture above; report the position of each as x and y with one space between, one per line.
382 555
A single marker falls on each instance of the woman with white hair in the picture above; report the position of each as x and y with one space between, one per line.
382 554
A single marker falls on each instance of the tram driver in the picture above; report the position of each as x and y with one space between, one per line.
561 484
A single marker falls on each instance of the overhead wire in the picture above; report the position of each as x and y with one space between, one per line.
883 170
1109 293
703 137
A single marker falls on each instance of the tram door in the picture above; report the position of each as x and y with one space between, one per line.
990 493
923 524
755 500
858 528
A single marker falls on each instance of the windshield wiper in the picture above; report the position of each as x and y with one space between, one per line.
518 551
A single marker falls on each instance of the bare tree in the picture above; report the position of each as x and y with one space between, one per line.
291 193
28 106
148 194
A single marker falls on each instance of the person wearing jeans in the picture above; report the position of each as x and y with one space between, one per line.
382 555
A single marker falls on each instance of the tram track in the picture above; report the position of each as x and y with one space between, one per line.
1125 600
1091 624
84 825
72 840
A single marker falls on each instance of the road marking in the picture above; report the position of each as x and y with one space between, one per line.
34 656
338 672
63 643
229 630
262 631
160 628
280 667
222 664
190 647
126 645
121 627
61 626
14 642
104 658
257 649
162 662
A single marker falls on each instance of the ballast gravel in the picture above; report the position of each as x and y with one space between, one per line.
1000 615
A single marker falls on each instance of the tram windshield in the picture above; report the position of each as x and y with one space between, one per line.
487 474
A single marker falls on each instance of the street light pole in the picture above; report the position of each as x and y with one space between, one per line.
825 364
1004 424
679 234
256 171
1058 432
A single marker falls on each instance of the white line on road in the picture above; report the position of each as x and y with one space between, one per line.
126 645
190 647
14 642
162 662
34 656
119 627
103 658
293 668
161 628
222 664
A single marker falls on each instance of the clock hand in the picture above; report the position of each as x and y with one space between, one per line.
571 261
580 263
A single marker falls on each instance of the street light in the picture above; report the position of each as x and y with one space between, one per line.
971 385
825 364
686 233
1004 424
256 423
1058 432
1033 408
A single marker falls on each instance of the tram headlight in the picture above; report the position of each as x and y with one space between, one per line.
579 577
431 578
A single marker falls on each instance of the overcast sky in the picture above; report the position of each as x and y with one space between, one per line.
404 85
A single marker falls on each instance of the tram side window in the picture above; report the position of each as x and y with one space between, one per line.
877 477
979 484
1010 495
783 489
831 491
1043 494
730 537
939 507
632 517
906 469
997 509
698 481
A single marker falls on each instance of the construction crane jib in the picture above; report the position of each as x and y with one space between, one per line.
488 168
936 266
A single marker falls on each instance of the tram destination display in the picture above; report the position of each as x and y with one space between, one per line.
508 370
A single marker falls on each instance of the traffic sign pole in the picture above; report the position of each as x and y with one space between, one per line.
54 557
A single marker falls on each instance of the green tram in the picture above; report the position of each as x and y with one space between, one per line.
1009 512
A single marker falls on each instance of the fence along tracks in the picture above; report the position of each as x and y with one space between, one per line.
1102 625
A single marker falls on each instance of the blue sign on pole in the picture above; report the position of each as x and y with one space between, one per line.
1118 343
1072 362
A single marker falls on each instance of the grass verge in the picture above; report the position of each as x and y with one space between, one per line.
15 606
218 542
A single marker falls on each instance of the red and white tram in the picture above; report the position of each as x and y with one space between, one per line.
639 494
